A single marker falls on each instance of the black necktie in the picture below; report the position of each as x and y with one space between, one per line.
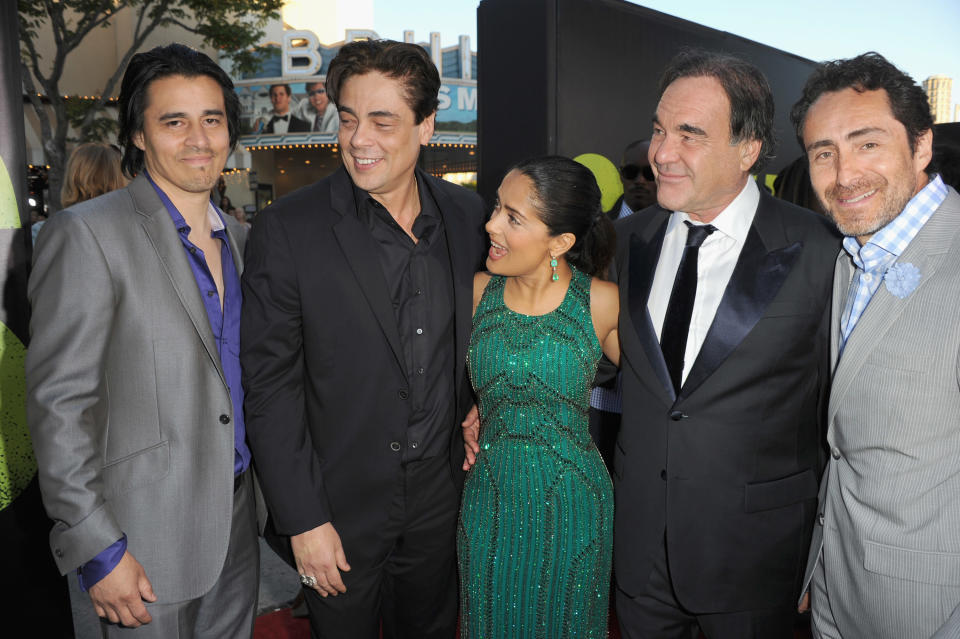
676 322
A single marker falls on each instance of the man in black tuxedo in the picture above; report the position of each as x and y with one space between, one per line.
281 119
356 319
725 296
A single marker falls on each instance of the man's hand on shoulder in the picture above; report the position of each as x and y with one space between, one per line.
119 596
319 554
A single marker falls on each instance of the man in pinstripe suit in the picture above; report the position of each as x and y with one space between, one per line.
885 558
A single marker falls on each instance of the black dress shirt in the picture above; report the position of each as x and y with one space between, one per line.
418 277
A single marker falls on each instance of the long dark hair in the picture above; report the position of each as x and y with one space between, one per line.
163 62
568 201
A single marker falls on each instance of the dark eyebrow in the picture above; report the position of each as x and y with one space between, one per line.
372 114
686 128
864 131
849 136
509 208
180 114
819 144
695 130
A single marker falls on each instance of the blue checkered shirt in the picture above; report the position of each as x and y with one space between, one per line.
882 250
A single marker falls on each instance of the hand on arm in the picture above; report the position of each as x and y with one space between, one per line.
471 437
319 554
119 596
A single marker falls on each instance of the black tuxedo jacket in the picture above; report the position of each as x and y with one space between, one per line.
326 391
728 471
296 125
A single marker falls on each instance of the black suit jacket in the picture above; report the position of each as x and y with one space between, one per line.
728 471
326 393
296 125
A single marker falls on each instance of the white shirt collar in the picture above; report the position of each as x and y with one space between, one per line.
733 221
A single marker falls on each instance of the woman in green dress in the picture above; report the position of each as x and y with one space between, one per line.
534 537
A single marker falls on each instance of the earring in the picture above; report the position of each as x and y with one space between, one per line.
553 265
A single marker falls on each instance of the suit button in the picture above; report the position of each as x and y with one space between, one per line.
820 518
395 446
402 393
676 415
224 419
58 553
663 475
835 453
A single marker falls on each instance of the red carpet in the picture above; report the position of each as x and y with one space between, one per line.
280 625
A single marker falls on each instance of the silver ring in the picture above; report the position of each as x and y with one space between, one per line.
309 582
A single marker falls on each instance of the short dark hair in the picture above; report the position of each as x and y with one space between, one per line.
163 62
568 201
751 101
314 83
868 72
285 87
402 61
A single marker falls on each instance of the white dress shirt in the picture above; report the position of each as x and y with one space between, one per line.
280 126
717 258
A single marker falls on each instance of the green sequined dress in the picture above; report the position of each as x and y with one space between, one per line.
534 537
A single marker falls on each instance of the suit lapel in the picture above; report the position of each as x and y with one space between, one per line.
927 252
644 254
360 252
461 271
163 236
756 280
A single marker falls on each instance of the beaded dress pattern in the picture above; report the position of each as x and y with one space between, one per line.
534 536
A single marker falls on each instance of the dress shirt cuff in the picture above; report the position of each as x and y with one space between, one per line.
100 566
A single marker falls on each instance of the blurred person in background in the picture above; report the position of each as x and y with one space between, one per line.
93 169
326 119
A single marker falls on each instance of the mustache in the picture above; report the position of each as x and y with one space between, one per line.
844 191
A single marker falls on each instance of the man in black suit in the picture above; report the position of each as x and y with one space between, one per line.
725 296
357 314
636 176
282 120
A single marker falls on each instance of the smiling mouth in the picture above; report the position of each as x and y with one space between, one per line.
496 250
859 198
366 161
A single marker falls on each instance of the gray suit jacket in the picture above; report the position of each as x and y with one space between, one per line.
127 404
890 499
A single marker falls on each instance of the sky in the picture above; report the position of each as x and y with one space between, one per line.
921 37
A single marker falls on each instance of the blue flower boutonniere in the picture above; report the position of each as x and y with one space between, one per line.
902 279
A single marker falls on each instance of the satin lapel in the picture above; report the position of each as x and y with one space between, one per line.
461 270
927 252
159 228
645 248
755 281
360 251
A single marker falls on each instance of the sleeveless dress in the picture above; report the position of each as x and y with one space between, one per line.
534 538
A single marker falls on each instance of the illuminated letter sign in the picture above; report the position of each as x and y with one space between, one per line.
299 46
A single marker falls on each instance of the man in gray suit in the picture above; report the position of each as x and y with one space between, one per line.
885 558
133 378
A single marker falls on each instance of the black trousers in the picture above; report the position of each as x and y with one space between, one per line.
412 588
31 587
657 614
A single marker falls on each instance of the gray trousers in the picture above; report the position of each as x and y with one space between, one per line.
228 609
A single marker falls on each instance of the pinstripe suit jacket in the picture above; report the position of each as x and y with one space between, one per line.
890 500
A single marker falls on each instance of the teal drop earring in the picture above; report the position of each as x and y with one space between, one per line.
553 265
